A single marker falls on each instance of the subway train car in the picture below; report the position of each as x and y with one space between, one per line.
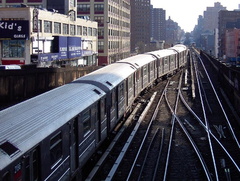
145 73
51 136
117 82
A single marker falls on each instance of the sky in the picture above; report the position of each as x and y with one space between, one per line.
186 12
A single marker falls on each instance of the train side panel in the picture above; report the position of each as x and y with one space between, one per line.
54 134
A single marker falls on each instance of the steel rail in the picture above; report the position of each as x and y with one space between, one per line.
171 134
205 95
215 138
111 146
145 136
147 153
206 123
208 174
126 146
226 117
169 148
159 154
201 159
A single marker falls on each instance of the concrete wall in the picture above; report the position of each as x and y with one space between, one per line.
18 85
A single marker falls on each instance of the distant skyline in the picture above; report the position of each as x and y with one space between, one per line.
186 12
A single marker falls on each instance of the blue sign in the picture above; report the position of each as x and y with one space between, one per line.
16 30
64 48
74 47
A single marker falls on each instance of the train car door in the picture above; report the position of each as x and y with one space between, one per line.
97 122
32 165
113 109
155 69
137 82
164 62
103 119
121 99
73 146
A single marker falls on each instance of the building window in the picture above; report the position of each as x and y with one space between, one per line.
101 33
83 8
56 148
85 31
65 29
100 20
99 8
57 28
72 30
79 30
40 25
47 27
94 32
89 31
13 48
100 46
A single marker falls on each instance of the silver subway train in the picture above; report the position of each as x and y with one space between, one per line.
51 136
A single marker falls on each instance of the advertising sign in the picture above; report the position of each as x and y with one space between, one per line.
63 47
15 30
44 57
35 20
74 47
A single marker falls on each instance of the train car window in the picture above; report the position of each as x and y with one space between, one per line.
18 172
130 82
151 66
32 165
27 168
6 177
56 151
144 70
103 108
86 122
113 99
138 74
171 59
35 165
166 60
121 91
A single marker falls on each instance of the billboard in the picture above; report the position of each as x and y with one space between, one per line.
14 30
63 48
74 47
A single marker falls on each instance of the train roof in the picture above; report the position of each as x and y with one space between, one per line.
179 48
138 60
108 77
26 124
162 53
170 51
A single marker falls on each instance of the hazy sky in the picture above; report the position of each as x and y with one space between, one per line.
186 12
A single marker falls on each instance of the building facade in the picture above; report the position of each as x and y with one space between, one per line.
113 17
158 24
232 37
31 35
17 3
210 20
140 24
227 20
171 32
